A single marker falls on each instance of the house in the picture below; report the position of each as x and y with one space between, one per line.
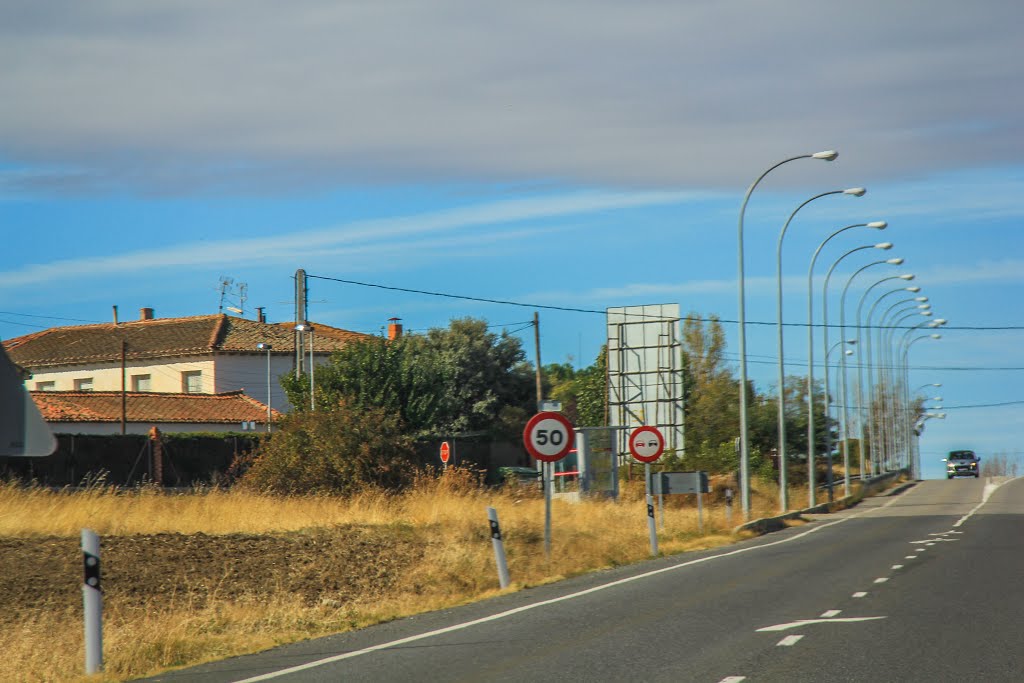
100 412
207 354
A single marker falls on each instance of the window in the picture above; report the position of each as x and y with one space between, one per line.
84 384
192 382
46 386
142 382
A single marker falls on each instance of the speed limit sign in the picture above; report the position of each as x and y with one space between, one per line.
548 436
646 444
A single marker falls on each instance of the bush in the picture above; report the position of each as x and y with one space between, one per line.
334 451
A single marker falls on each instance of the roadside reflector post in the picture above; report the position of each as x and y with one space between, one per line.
651 526
728 508
499 548
700 513
92 598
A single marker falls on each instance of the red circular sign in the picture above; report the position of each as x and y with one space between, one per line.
548 436
646 444
445 452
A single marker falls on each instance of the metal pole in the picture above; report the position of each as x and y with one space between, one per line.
268 391
700 513
499 548
92 599
312 373
651 528
546 478
744 432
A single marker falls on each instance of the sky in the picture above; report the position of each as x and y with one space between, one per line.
557 154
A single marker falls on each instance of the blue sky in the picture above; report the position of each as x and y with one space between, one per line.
545 153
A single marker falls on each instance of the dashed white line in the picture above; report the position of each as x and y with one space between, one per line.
910 557
897 566
810 622
831 613
859 594
919 550
882 579
789 641
733 679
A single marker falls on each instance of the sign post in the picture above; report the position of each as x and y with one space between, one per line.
446 453
548 437
646 444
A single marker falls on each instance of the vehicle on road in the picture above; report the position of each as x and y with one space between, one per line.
962 464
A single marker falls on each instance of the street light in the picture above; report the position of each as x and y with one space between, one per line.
914 458
828 412
842 327
306 327
877 225
783 490
885 246
267 347
828 155
897 433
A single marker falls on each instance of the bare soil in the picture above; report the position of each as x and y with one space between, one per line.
332 566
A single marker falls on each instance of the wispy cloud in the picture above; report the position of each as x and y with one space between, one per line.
359 237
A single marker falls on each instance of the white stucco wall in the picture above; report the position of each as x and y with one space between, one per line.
142 428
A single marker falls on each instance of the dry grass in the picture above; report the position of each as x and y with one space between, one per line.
447 516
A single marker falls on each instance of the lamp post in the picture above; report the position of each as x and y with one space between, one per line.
306 327
267 347
877 225
885 342
824 307
783 489
828 155
876 383
828 432
897 400
914 458
842 328
865 416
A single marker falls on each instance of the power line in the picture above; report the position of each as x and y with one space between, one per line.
573 309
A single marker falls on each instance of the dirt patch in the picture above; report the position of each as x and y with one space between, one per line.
331 566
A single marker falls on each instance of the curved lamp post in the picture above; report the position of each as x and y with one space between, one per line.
824 307
783 460
897 398
914 458
828 155
828 412
865 416
811 484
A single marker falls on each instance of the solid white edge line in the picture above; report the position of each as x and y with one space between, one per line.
789 641
543 603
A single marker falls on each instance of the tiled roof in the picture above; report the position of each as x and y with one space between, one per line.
105 406
163 338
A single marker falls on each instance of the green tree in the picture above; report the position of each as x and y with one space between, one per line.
711 393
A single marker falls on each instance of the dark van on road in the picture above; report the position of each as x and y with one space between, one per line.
962 464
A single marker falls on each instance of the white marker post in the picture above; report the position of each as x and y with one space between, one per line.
652 529
499 548
548 437
92 598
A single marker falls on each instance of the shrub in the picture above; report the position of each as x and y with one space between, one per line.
334 451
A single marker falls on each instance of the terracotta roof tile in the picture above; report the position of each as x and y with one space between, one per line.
163 338
105 406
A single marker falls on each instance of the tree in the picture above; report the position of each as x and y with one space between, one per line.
581 392
711 393
448 381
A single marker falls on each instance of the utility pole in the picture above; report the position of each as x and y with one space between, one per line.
124 387
536 341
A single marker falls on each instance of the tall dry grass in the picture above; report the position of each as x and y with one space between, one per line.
446 514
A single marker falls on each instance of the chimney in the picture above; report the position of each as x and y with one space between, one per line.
115 315
394 328
260 316
145 314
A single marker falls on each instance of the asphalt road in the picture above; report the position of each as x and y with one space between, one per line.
922 586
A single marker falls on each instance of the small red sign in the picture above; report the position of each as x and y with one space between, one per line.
646 444
446 452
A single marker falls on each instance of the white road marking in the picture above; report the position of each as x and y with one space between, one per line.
859 594
897 566
988 491
733 679
881 579
807 622
910 557
543 603
919 550
789 641
831 613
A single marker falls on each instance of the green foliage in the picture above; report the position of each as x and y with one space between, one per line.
334 451
448 381
581 392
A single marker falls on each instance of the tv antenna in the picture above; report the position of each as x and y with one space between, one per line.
234 294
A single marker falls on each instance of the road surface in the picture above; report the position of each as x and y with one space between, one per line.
921 586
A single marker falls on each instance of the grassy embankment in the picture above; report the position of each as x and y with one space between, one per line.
443 557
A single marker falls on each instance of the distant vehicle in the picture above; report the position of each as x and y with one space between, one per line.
962 464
